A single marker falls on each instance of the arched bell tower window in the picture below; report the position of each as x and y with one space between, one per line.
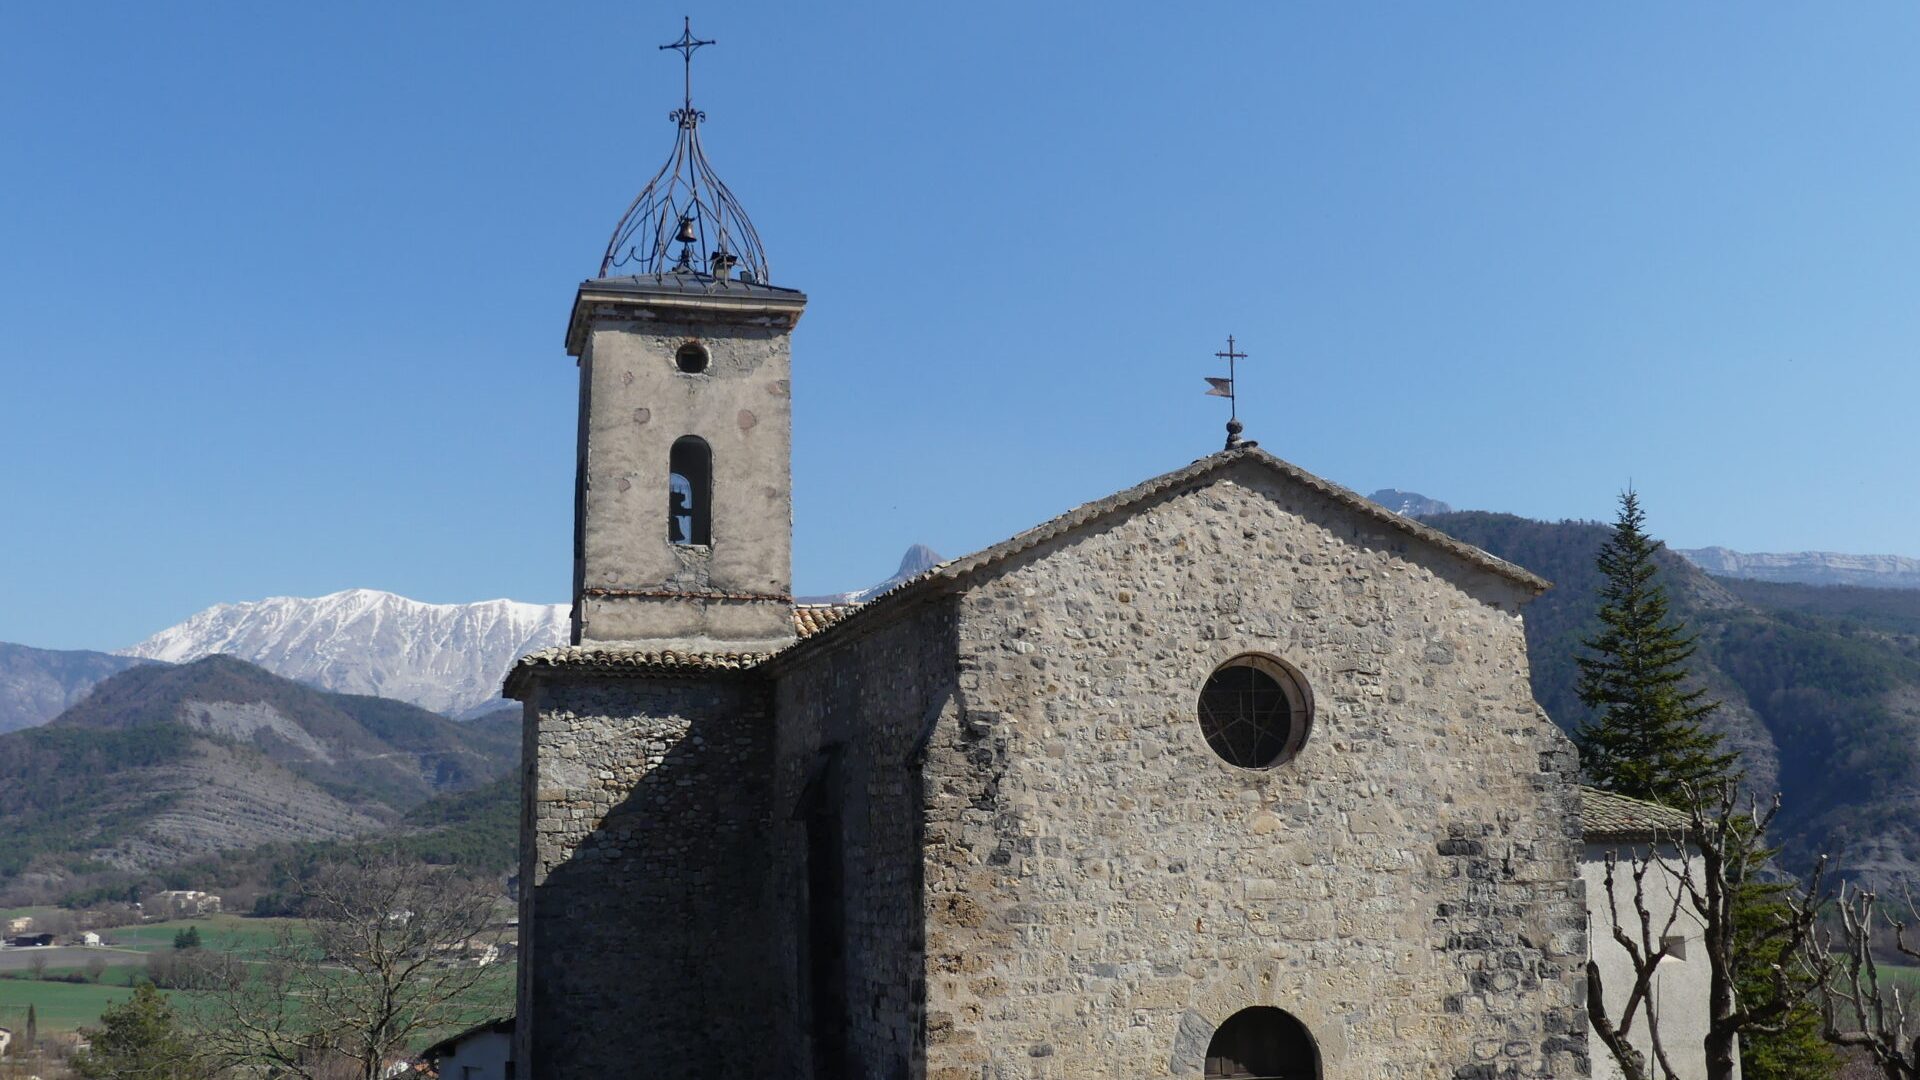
690 492
1262 1043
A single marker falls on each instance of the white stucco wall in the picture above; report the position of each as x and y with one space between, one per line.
485 1054
1680 986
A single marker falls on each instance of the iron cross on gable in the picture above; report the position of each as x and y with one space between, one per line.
1225 388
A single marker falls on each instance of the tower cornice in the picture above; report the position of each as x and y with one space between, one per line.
685 298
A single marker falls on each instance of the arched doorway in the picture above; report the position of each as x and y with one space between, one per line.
1262 1043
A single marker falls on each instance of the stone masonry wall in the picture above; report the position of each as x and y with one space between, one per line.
874 697
643 913
1103 890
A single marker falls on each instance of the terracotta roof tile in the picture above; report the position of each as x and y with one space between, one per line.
810 619
610 658
1606 816
614 659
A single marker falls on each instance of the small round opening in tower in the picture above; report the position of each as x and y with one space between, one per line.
692 358
1255 711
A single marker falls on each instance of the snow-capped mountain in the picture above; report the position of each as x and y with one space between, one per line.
449 658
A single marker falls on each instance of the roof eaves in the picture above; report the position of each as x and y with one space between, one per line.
498 1025
1605 815
616 661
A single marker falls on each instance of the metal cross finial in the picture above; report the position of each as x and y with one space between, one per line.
1226 388
686 47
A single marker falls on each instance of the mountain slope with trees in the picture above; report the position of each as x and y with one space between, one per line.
162 764
1820 690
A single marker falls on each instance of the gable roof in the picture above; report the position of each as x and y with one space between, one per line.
954 572
1607 816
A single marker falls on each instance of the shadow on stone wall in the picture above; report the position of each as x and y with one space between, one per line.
651 940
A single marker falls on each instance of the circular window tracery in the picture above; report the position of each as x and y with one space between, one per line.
692 358
1255 711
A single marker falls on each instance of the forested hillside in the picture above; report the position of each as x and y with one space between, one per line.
1820 685
163 764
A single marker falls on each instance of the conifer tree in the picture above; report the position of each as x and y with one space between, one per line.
1793 1047
1646 741
1645 738
138 1040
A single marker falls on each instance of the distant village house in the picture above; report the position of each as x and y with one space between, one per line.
183 904
474 953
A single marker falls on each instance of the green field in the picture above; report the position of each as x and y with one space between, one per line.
1907 979
120 971
62 1007
30 912
57 1006
226 933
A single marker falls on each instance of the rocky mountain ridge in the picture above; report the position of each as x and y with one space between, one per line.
1802 567
1808 567
918 559
38 684
1409 503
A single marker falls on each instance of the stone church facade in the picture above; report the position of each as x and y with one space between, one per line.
1230 774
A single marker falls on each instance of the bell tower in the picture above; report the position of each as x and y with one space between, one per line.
683 508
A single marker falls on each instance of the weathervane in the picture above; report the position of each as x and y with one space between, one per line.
1225 388
685 222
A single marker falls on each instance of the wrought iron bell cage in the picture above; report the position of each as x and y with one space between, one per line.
685 221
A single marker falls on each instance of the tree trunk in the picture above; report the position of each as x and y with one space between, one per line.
1722 1054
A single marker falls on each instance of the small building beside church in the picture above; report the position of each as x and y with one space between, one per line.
1229 774
1627 829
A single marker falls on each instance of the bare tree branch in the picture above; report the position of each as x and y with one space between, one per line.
389 951
1709 868
1860 1010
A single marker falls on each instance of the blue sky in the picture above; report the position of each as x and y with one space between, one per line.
282 287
